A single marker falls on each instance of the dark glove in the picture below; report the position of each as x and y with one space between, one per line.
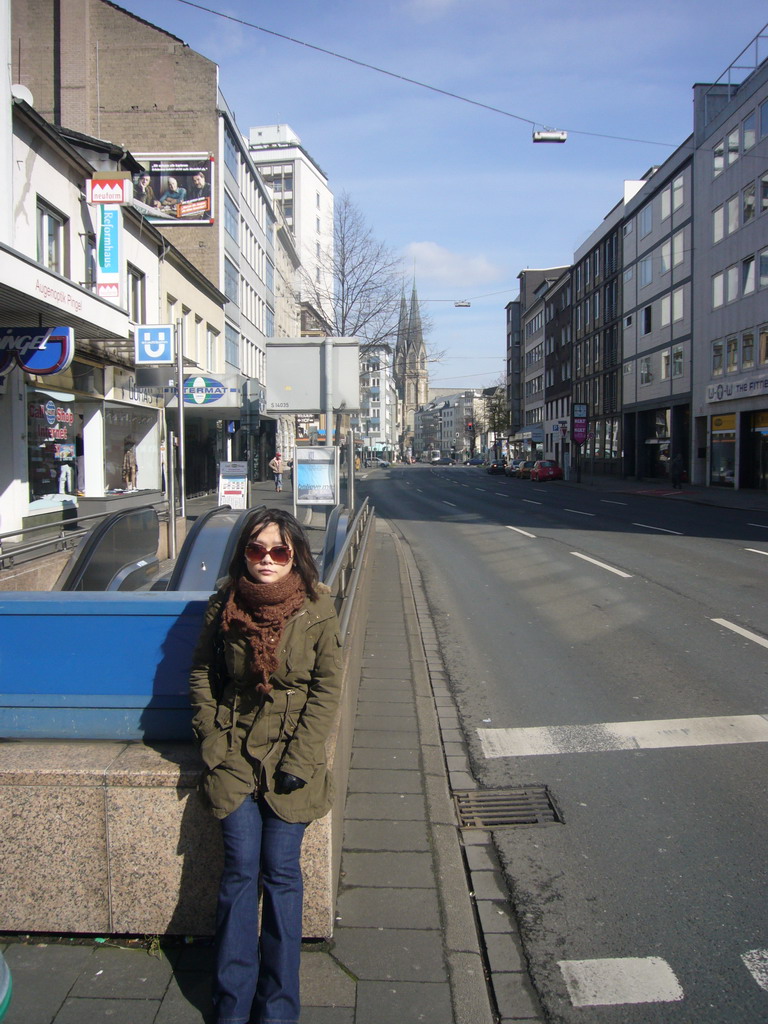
287 783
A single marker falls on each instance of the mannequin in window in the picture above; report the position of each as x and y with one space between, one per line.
130 467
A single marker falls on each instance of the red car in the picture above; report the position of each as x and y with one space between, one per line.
546 469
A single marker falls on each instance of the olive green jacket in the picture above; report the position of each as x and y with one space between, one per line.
245 740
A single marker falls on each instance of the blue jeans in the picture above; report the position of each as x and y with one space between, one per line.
257 975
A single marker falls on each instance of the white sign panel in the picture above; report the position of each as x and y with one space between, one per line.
233 484
297 378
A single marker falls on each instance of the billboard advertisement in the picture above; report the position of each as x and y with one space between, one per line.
176 188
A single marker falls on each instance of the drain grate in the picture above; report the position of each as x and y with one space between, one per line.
505 808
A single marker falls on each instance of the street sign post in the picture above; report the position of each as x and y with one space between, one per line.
154 345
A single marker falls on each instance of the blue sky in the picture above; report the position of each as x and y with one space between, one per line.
462 192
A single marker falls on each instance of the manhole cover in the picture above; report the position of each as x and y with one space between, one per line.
505 808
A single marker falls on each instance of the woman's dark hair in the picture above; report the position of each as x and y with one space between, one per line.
293 535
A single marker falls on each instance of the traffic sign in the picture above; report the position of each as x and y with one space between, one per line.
154 344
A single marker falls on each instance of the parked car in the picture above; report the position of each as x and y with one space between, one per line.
382 464
496 466
445 461
546 469
511 467
524 469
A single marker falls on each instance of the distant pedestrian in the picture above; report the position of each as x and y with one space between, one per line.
276 465
676 471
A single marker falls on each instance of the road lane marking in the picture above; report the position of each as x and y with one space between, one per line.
531 501
602 565
501 494
756 962
661 529
755 551
578 513
451 503
760 526
621 980
607 501
604 736
524 532
742 632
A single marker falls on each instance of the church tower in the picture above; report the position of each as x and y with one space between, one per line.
410 368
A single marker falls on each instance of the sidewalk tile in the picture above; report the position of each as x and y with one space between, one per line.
404 1002
394 954
403 807
387 908
384 758
385 835
388 870
384 780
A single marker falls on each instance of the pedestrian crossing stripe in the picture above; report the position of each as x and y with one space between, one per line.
614 982
608 736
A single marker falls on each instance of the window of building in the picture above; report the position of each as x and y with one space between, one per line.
748 275
596 306
677 361
678 248
597 261
645 271
677 304
666 202
666 364
665 310
269 323
733 146
718 290
51 240
647 320
764 268
232 345
747 350
136 295
718 161
270 276
231 281
732 283
763 119
733 214
764 192
748 203
644 366
718 224
748 132
764 345
731 355
645 219
587 266
717 358
665 258
678 192
230 152
628 228
629 273
211 337
231 217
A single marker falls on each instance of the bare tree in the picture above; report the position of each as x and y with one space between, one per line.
366 277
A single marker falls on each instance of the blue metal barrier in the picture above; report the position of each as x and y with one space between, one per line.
110 666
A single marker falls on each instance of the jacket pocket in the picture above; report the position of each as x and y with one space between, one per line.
214 748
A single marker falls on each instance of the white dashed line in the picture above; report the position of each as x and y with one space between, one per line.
605 736
602 565
452 504
579 513
501 494
756 962
755 551
760 526
614 982
531 501
524 532
661 529
742 632
607 501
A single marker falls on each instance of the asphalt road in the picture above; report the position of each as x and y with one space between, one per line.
612 648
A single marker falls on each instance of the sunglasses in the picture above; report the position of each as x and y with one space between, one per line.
280 554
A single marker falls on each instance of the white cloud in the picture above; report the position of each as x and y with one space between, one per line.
442 268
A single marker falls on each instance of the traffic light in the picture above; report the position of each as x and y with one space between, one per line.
470 427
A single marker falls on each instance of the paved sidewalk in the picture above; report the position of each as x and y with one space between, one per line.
407 946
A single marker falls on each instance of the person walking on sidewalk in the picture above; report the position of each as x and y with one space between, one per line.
265 686
276 465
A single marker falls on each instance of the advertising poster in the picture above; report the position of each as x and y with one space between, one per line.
176 188
316 476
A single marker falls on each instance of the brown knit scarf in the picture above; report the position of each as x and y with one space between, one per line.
260 611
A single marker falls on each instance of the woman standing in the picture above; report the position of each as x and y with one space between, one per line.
265 684
276 465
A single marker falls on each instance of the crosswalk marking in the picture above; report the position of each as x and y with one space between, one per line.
613 982
756 962
603 736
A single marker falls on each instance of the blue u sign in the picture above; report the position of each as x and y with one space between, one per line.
154 344
42 350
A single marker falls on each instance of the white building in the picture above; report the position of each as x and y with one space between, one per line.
300 189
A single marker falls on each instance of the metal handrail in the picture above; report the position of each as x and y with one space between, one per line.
343 576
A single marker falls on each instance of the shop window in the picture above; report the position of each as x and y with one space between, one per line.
131 449
51 238
722 449
50 446
717 358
